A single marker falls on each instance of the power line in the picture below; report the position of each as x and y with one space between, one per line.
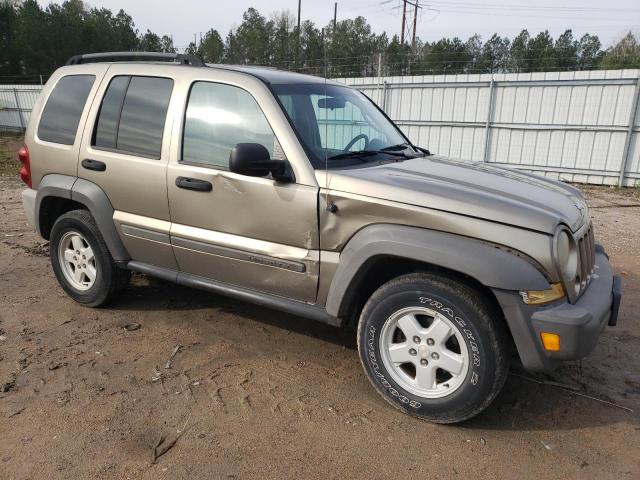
530 7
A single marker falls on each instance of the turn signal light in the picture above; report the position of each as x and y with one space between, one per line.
540 297
551 341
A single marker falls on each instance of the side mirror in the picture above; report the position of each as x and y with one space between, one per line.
253 160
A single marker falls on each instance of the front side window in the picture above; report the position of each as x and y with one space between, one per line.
331 120
133 114
61 115
218 117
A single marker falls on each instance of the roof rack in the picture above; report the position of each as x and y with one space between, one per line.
180 58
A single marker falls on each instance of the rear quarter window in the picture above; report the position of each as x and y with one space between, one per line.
61 115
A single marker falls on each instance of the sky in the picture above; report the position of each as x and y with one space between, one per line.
609 19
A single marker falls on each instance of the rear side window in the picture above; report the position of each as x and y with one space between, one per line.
133 114
61 115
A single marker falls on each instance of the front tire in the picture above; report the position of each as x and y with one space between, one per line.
433 347
81 260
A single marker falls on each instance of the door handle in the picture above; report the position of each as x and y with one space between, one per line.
94 165
194 184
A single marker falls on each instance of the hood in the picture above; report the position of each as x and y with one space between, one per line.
474 189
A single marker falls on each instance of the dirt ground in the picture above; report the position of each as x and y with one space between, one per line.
254 393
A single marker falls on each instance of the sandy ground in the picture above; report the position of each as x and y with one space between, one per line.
254 393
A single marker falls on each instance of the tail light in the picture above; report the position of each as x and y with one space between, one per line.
25 171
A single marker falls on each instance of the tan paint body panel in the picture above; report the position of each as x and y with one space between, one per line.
356 212
246 214
147 238
53 157
134 184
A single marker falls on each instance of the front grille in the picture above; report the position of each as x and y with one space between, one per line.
587 257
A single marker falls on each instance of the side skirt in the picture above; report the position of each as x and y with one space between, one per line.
294 307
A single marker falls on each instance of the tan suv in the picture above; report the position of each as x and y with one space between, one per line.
299 194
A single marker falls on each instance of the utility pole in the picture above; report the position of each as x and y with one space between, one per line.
415 6
299 6
404 19
335 16
415 22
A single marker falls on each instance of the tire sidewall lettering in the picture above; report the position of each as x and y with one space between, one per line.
468 333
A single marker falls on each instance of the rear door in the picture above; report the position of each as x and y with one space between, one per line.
124 150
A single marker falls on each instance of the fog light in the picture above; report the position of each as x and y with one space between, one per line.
540 297
551 341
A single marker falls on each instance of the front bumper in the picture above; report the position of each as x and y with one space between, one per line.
579 325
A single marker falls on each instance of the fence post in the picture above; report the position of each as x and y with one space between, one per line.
22 124
627 143
487 125
379 75
384 96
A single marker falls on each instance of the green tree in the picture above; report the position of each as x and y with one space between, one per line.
249 44
589 52
105 32
566 51
624 54
518 54
150 42
166 44
541 53
32 29
474 49
447 56
211 48
397 58
9 52
284 46
495 55
352 48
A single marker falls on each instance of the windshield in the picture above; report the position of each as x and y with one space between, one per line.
331 120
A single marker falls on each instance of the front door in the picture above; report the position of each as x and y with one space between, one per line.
246 231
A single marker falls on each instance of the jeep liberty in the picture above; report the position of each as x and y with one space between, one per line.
299 194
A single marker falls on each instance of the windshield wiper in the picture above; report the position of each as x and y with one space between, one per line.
367 153
400 146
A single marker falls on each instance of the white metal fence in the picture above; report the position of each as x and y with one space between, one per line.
16 102
576 126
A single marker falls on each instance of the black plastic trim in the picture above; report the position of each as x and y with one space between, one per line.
616 291
180 58
307 310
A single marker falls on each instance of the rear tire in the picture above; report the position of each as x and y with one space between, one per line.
433 347
81 260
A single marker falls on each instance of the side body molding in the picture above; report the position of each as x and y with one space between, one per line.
491 266
91 196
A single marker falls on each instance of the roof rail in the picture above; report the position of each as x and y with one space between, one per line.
180 58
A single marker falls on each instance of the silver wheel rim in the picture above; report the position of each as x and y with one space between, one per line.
77 260
424 352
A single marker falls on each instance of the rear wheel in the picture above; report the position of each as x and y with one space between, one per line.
433 348
81 260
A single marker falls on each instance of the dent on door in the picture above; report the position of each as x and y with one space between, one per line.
246 231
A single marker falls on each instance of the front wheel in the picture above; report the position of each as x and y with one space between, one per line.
433 347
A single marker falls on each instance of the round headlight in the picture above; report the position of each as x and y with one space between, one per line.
567 256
